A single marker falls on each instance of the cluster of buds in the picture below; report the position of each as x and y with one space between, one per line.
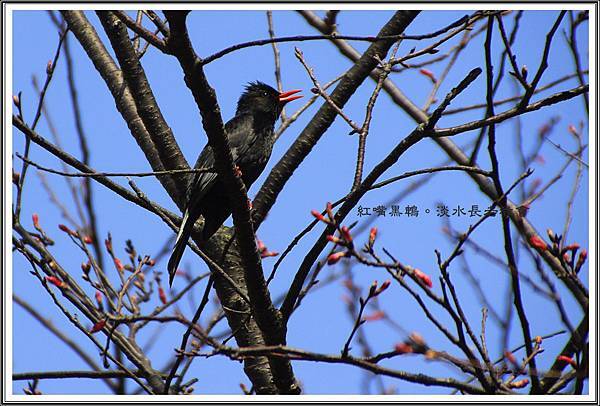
85 267
414 344
264 251
330 219
344 239
375 291
565 253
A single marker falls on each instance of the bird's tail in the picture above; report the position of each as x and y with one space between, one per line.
187 225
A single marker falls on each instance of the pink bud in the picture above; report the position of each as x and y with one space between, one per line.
372 236
377 315
161 295
403 348
98 326
335 257
55 281
345 232
383 287
36 221
429 74
538 243
568 360
118 264
423 277
318 216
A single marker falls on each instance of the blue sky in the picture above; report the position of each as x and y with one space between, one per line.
322 324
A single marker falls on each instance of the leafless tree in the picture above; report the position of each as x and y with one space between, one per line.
125 291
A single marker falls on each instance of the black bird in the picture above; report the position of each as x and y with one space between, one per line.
251 136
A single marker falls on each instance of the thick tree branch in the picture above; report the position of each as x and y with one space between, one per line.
263 310
113 77
143 97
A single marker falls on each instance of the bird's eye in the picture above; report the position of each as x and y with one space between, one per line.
265 94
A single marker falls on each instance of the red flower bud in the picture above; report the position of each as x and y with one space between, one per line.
582 257
423 277
67 230
571 247
49 68
36 221
85 267
335 240
417 339
403 348
538 243
267 254
566 257
55 281
345 232
573 130
99 298
108 244
429 74
329 210
372 235
378 315
118 264
510 357
383 287
87 239
373 288
318 216
161 295
335 257
151 262
568 360
519 384
98 326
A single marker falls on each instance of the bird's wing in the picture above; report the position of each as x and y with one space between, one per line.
241 137
201 182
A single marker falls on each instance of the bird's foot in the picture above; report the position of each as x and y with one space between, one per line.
238 171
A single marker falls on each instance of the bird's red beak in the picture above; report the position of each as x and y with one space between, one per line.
285 97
